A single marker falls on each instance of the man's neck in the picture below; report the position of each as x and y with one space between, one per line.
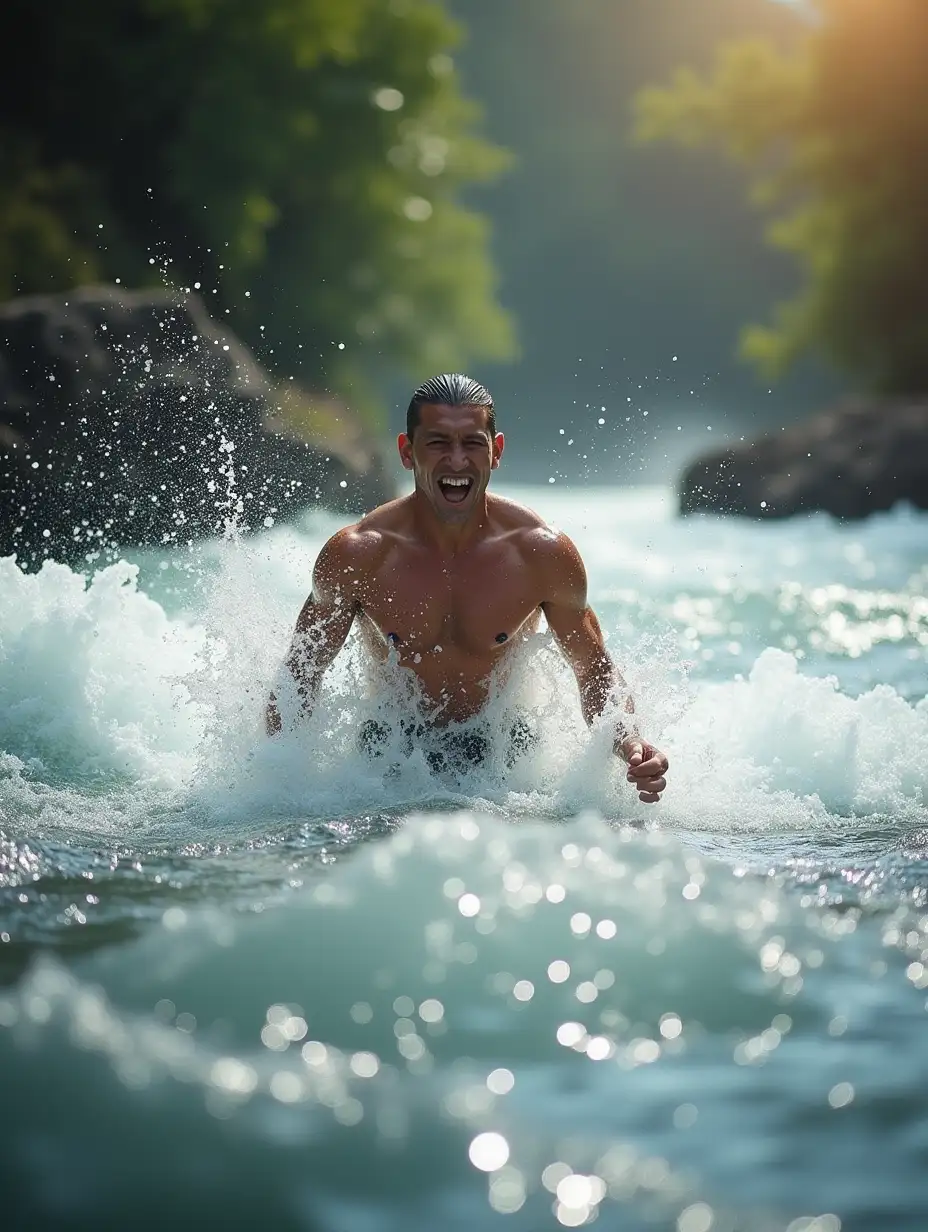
449 538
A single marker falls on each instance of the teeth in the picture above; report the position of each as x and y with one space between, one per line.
457 483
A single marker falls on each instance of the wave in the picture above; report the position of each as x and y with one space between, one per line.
114 713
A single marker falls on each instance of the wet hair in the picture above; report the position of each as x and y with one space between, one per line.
450 389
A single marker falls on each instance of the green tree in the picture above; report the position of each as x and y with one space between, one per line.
301 160
836 137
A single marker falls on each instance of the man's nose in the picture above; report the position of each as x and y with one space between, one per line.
458 457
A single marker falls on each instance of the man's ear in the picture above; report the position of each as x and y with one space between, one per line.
499 444
404 445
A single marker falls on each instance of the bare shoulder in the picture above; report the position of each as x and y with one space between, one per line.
361 543
348 547
559 567
536 536
509 515
348 558
390 518
547 551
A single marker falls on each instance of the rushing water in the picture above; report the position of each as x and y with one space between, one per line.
261 984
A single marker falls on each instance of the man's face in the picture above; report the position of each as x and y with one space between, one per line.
451 455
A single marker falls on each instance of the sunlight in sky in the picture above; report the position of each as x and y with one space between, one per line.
801 6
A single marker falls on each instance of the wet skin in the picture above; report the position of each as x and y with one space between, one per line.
451 579
444 618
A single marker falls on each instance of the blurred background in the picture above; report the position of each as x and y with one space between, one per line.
649 226
266 984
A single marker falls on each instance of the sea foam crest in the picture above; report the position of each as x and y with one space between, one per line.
98 681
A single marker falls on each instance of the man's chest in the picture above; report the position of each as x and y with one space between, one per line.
475 606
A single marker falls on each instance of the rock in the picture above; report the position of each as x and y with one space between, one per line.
852 461
132 418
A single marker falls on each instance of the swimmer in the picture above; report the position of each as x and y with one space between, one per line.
448 579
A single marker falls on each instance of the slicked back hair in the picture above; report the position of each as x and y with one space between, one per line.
450 389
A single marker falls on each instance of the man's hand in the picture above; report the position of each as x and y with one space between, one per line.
647 766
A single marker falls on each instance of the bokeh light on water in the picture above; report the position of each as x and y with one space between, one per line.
322 997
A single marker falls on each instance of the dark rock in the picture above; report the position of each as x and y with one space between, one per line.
132 418
852 461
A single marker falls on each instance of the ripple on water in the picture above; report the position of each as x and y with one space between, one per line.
534 1020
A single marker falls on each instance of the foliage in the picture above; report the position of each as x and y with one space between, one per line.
300 159
836 135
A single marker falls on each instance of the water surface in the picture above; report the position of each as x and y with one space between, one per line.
262 984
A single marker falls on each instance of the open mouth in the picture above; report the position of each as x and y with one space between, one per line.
455 489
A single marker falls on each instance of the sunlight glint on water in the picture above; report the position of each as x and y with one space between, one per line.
325 998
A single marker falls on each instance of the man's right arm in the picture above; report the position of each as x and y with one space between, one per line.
323 623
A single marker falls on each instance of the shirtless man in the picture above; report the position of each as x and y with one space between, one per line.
447 578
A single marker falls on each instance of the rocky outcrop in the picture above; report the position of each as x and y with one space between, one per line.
850 462
134 418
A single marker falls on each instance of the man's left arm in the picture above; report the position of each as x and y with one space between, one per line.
576 628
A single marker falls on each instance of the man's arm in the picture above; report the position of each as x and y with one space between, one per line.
323 623
573 623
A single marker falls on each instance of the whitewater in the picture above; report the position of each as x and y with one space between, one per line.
261 983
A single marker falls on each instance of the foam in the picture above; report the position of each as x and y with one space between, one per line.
97 683
92 676
154 710
781 747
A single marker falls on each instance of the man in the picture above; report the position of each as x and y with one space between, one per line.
447 580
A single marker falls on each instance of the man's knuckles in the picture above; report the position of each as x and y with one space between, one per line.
648 769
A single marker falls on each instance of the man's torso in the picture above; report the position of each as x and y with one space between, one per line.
452 620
